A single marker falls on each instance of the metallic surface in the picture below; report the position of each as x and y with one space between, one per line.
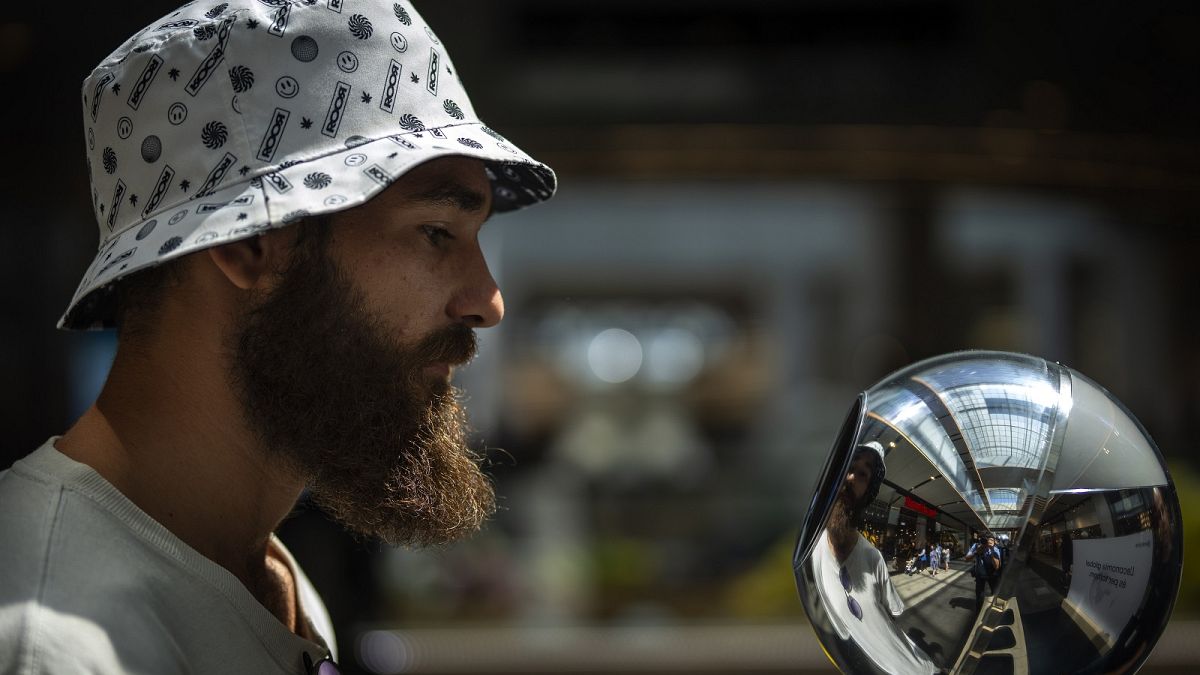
1085 516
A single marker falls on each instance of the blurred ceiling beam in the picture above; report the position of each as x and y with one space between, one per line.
987 156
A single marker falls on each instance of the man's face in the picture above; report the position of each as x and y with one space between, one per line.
848 507
414 251
343 367
858 478
991 541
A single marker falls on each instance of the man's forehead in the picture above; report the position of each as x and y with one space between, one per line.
453 194
865 457
450 181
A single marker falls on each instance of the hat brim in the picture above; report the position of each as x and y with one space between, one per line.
324 184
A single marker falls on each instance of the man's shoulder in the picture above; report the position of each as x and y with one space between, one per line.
35 639
75 581
63 550
31 507
867 551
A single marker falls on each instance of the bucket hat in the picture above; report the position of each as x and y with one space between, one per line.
879 471
222 120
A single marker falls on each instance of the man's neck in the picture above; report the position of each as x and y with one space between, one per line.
843 543
171 438
275 587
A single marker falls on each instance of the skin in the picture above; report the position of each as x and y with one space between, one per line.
855 486
858 477
167 429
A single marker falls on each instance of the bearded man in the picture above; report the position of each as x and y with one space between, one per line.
852 577
289 199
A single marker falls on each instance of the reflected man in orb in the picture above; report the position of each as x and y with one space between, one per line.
852 576
986 568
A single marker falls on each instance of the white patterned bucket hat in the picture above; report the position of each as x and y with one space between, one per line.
222 120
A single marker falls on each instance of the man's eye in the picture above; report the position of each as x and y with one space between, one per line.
436 235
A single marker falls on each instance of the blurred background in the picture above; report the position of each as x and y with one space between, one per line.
765 207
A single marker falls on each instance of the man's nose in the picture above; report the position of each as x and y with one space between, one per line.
478 303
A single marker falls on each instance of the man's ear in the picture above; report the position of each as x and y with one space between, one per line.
249 263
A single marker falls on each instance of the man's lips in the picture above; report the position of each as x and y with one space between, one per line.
438 369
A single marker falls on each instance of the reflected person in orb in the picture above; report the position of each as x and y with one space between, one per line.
852 576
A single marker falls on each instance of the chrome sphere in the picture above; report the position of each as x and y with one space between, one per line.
990 512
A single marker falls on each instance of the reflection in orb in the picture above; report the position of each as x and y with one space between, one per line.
1023 522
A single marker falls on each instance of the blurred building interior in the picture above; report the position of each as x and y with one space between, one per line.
765 207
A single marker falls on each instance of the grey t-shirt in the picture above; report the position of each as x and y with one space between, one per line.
91 584
875 632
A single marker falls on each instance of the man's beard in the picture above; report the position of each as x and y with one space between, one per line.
843 523
328 394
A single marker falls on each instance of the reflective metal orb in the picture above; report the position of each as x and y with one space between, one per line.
1088 543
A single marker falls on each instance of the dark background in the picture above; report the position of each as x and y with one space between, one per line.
1030 177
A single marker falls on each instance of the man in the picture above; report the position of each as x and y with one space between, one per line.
289 197
852 575
987 567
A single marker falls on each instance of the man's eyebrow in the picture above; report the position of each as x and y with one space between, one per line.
452 194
